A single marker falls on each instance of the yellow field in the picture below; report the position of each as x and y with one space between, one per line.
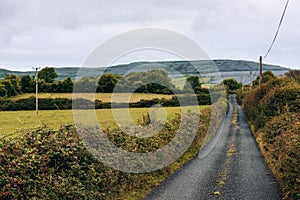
14 120
104 97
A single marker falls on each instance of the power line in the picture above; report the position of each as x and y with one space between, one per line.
276 34
274 39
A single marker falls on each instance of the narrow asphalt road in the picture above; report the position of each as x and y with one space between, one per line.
233 169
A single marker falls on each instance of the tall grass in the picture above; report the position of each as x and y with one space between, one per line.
12 121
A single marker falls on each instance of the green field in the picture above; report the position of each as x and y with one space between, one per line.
104 97
14 120
11 121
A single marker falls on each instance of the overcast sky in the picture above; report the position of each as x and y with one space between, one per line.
64 33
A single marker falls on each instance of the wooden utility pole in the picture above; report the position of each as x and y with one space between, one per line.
242 83
260 72
250 80
36 91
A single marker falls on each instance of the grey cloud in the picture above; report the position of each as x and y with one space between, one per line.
62 32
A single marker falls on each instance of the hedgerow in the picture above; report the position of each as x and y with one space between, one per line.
273 114
46 164
280 143
66 104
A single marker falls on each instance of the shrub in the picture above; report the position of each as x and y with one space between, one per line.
274 113
81 103
280 143
232 84
281 99
277 96
3 91
47 164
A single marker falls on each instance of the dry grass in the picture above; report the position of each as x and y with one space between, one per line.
13 120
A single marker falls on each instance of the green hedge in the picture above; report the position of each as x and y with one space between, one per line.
65 103
274 116
47 164
280 143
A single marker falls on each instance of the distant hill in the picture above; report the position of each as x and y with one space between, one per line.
205 67
3 72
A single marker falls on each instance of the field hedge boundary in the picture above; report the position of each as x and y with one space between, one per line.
66 103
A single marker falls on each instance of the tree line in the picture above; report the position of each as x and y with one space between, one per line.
13 85
153 81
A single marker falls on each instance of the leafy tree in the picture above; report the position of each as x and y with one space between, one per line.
266 76
13 79
159 77
44 86
48 74
153 81
10 84
2 91
86 85
232 84
10 89
67 85
27 84
193 81
107 82
55 87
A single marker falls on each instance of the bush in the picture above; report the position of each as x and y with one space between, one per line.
277 96
47 164
274 114
285 98
66 104
232 84
3 91
280 143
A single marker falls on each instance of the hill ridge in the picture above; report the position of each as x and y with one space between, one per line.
182 67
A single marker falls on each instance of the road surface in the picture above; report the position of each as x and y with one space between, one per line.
233 169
